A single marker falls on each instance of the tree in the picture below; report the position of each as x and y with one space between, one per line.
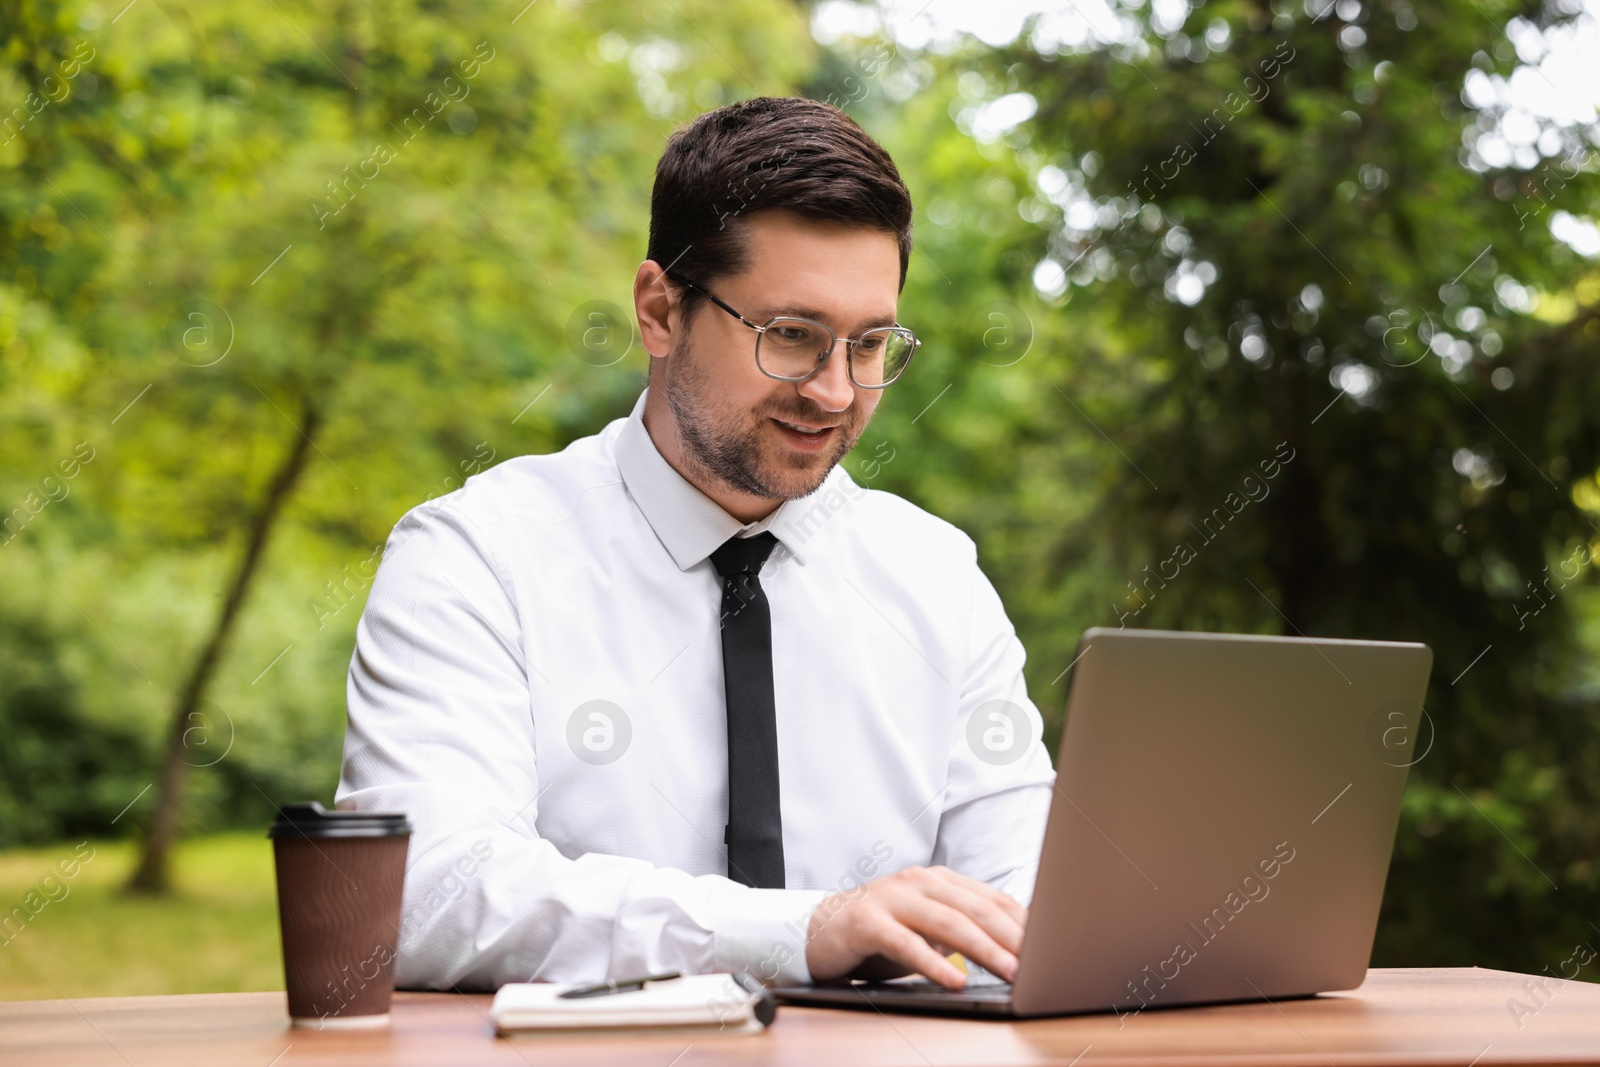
337 247
1307 270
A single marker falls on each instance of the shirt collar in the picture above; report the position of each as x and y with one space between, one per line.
690 524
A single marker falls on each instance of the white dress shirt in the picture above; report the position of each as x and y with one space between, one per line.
537 683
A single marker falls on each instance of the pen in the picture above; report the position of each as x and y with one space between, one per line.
616 985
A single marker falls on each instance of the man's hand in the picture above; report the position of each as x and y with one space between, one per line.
915 918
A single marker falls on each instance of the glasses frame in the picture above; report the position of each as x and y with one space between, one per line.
850 343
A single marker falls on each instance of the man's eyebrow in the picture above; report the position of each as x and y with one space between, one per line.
802 311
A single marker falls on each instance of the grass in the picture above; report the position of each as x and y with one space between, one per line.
217 932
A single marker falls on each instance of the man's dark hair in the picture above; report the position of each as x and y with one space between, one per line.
760 154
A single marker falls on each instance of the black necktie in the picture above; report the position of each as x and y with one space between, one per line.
755 824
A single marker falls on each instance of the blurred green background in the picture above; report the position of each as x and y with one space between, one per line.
272 274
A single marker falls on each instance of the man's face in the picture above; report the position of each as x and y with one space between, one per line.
728 414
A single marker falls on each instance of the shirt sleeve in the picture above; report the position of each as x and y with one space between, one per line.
997 794
440 728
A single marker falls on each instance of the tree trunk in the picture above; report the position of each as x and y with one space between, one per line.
152 873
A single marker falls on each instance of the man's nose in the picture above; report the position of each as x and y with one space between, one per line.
831 388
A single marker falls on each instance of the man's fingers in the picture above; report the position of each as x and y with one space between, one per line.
950 928
905 946
995 920
1005 901
916 918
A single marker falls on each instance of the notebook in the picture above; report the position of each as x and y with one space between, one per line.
698 1002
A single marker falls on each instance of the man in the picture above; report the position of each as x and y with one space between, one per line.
684 695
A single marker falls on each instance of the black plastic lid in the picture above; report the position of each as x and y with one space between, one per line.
311 820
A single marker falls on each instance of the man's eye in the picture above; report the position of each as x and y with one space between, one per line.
870 344
792 333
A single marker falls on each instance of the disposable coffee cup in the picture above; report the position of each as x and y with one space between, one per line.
340 876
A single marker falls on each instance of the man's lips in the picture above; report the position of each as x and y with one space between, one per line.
793 423
805 441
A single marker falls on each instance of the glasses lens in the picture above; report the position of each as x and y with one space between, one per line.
792 348
880 356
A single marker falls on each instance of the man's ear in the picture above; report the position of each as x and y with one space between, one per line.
655 304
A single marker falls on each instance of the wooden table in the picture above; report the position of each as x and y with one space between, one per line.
1445 1016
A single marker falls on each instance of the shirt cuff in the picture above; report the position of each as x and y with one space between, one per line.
763 931
1021 884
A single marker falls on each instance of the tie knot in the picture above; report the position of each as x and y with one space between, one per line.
743 555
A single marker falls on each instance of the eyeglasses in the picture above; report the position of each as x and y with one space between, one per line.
793 350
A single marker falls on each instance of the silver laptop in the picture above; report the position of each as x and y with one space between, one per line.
1224 812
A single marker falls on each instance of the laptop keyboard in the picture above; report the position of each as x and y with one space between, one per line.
991 990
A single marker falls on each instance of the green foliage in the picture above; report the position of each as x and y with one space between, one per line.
62 774
1348 422
227 225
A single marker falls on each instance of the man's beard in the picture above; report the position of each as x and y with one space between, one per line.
725 444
